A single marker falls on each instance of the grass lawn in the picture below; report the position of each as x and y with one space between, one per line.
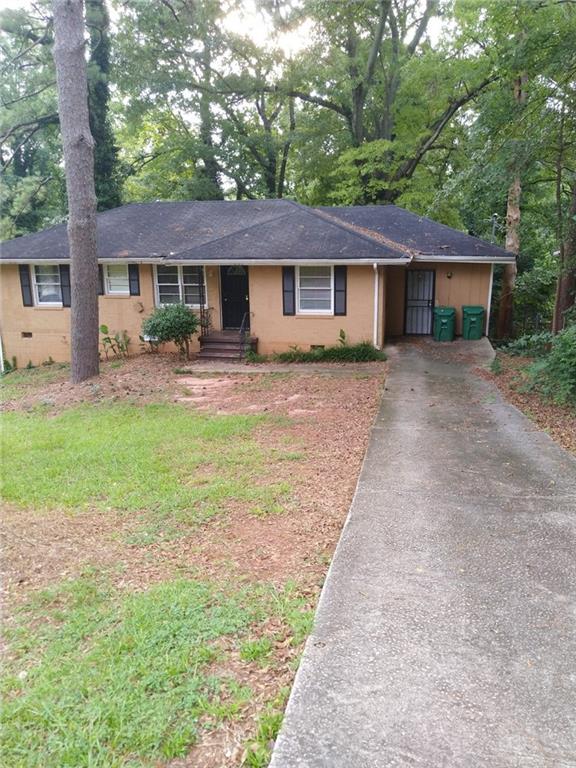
134 458
163 557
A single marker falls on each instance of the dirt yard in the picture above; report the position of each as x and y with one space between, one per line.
313 438
511 378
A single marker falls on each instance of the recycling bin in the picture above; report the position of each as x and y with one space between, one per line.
472 322
444 323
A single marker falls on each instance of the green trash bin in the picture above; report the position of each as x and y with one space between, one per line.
472 322
444 323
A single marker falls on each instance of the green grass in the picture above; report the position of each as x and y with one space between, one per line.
99 678
258 751
164 460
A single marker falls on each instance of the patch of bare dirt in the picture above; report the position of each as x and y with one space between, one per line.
558 420
138 379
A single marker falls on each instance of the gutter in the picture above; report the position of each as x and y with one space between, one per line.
376 307
221 262
489 306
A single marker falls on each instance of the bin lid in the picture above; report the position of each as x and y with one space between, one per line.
472 310
444 311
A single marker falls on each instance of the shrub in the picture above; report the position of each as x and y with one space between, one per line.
175 323
343 353
555 374
531 345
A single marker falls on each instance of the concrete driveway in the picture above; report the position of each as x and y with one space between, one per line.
446 630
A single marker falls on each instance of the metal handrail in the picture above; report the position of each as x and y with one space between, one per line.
243 328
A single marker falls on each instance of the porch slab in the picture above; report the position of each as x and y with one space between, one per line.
445 634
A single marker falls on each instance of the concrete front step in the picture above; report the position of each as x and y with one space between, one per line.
213 355
225 345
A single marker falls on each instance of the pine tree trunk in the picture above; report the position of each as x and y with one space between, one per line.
566 288
69 50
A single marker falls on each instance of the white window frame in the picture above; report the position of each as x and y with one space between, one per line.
37 301
107 290
325 312
180 284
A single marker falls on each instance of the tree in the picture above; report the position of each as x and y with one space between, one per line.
566 288
106 174
505 323
72 85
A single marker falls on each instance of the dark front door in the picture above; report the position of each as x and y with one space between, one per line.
234 292
419 301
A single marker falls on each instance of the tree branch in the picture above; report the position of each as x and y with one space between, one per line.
407 168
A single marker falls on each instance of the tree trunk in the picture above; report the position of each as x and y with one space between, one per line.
70 61
505 320
504 324
566 287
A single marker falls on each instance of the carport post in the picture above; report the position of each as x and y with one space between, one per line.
376 287
489 306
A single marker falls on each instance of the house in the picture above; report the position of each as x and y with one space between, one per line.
294 275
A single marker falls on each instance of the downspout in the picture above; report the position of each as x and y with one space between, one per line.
489 306
376 307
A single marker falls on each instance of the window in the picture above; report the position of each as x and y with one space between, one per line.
315 290
47 288
116 279
180 284
193 282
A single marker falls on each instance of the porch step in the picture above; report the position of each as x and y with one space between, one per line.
225 345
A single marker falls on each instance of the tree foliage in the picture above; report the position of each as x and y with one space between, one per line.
327 101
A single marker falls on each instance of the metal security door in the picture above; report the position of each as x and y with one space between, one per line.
419 301
234 290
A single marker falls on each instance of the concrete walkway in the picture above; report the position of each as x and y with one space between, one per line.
445 634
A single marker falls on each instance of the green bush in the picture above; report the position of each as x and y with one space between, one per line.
530 345
344 353
175 323
555 374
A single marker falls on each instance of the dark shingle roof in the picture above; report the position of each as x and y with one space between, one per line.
258 230
298 234
423 236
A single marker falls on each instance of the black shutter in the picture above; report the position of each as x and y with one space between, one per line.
134 278
65 284
100 280
26 285
340 290
289 290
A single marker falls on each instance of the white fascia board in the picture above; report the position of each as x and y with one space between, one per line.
467 259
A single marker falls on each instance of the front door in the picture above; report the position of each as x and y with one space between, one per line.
419 301
234 292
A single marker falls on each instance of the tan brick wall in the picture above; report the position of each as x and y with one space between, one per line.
50 327
277 332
